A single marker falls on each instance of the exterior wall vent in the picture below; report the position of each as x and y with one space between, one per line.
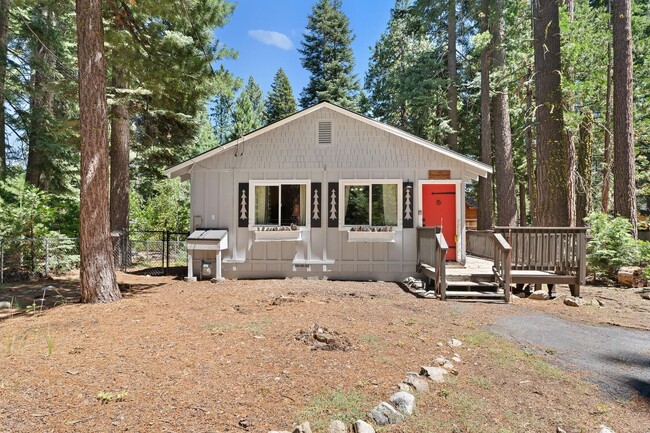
324 132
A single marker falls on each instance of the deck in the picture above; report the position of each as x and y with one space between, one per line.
500 258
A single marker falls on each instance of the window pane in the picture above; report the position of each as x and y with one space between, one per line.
266 205
357 198
384 205
293 204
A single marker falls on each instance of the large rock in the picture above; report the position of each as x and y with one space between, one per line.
454 343
436 374
605 429
572 302
404 402
631 276
302 428
417 382
337 426
540 295
384 414
362 427
4 305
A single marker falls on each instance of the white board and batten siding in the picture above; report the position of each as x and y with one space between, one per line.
359 150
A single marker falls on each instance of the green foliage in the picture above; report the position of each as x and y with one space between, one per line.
327 55
168 208
346 406
611 245
405 82
249 110
280 102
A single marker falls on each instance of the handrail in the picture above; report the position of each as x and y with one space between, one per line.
441 265
502 263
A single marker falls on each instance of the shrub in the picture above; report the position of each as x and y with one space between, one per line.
612 245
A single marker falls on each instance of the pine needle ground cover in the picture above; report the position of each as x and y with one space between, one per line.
224 357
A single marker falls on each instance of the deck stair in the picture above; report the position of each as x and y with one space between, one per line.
476 285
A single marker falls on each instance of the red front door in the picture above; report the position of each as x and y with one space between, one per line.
439 209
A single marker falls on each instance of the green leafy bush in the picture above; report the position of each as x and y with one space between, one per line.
612 245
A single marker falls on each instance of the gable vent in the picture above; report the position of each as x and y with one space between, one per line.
325 132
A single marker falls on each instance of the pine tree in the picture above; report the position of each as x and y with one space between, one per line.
327 55
249 110
280 102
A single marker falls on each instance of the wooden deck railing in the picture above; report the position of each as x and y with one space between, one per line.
431 252
561 250
480 243
502 263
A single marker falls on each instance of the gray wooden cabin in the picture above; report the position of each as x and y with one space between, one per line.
326 192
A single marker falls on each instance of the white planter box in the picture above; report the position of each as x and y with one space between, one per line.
279 235
371 236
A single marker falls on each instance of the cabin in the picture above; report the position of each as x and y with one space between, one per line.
325 192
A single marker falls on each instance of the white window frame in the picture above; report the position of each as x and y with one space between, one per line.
354 182
252 211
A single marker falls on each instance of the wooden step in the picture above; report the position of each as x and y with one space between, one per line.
472 284
470 277
472 294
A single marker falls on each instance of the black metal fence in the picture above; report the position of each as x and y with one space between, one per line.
153 252
143 252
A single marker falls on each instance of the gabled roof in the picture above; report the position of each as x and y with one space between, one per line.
476 167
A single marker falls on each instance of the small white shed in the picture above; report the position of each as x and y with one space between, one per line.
327 192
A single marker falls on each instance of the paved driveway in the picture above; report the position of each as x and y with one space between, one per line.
618 359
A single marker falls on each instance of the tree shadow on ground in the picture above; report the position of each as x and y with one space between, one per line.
633 372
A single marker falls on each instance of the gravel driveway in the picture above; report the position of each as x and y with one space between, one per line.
617 359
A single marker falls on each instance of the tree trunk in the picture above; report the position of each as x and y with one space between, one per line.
624 165
584 190
120 129
97 274
484 217
504 168
607 153
522 204
552 191
452 91
530 151
41 105
4 41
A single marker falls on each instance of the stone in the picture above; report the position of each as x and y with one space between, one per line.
560 430
540 295
337 426
440 361
605 429
439 344
646 296
454 343
456 359
404 402
4 305
302 428
448 366
278 431
572 302
362 427
190 279
405 387
436 374
384 414
417 382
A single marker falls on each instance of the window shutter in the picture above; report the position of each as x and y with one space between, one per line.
324 132
407 207
244 198
332 204
316 204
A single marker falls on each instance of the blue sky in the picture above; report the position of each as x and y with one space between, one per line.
267 35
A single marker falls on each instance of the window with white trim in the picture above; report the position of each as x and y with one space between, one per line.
372 203
280 204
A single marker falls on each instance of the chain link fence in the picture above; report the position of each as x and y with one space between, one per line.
142 252
33 258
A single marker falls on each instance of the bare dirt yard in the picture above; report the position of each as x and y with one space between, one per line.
202 357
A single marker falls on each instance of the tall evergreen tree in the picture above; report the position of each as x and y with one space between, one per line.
624 164
97 275
552 191
327 55
280 102
401 84
249 110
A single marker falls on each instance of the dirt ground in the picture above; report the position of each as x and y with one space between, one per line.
202 357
